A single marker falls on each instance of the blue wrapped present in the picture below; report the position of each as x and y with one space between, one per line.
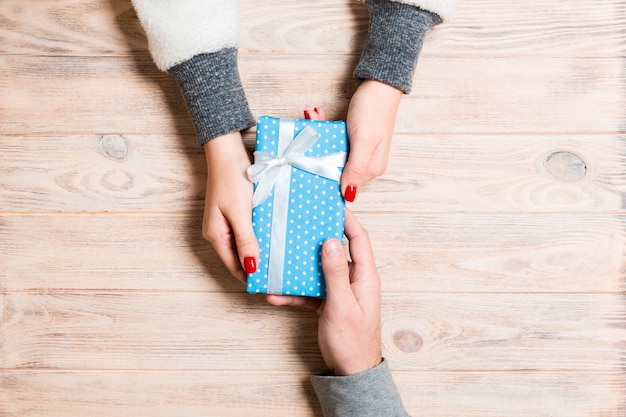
297 202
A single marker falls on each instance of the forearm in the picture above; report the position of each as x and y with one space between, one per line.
396 34
196 42
214 94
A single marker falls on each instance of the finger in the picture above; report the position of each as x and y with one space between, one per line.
320 113
287 300
246 242
311 114
356 172
315 114
337 275
223 242
359 244
365 278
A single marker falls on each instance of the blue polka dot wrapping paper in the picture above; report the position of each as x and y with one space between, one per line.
297 202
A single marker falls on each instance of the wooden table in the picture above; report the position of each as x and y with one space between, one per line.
499 227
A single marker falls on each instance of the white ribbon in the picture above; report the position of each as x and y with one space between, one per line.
274 172
267 167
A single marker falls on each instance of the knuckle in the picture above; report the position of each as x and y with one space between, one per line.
209 235
246 243
205 236
338 269
358 169
380 170
212 233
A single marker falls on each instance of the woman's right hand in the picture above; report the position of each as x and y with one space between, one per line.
227 220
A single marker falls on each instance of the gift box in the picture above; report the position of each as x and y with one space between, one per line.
297 202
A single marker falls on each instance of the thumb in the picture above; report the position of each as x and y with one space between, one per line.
336 272
355 173
247 246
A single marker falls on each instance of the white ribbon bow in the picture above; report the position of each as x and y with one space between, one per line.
267 167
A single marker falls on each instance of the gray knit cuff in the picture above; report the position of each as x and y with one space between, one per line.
369 394
213 93
394 41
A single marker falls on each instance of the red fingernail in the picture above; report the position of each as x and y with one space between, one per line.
249 264
350 194
316 110
307 115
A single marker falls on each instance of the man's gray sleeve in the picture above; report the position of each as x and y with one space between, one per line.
369 394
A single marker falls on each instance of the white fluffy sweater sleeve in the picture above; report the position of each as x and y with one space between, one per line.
177 30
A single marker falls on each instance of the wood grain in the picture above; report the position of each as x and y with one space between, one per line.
483 28
201 393
102 173
238 332
70 27
426 174
499 228
466 253
95 95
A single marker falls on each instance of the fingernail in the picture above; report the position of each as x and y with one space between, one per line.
333 248
350 193
249 264
316 110
307 115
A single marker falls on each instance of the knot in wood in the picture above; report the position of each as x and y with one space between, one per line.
114 146
565 166
408 341
117 180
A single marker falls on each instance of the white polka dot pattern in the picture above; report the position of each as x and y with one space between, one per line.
315 212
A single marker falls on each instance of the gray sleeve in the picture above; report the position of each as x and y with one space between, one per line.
394 41
212 90
369 394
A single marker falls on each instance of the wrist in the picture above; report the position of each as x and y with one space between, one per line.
213 93
358 367
395 37
383 92
226 152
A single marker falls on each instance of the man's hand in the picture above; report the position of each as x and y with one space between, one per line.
349 323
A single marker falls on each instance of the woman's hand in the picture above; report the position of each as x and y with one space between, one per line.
227 221
371 119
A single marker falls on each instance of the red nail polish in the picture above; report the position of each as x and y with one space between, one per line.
249 264
350 193
307 115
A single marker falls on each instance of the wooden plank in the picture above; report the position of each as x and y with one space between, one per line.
102 173
100 95
479 28
61 96
83 27
514 394
201 393
238 332
155 331
482 28
427 174
500 174
137 394
452 253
